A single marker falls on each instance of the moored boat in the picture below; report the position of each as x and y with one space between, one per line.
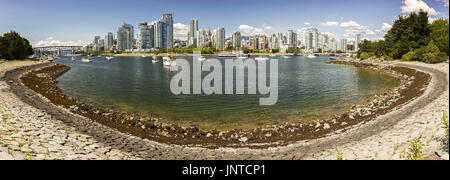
261 58
86 59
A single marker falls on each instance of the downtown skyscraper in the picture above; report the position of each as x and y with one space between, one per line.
220 38
192 35
163 32
292 39
109 41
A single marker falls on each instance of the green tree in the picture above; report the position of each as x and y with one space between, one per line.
402 47
440 34
13 46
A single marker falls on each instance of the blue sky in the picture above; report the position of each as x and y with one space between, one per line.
78 21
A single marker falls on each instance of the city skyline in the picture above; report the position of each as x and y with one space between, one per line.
71 26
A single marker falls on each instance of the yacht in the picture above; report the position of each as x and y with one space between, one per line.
86 59
241 55
154 61
168 61
311 56
272 55
286 57
261 58
201 58
227 55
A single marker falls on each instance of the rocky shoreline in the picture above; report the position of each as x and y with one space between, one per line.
411 85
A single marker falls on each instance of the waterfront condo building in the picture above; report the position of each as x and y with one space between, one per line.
109 41
311 39
292 39
220 38
125 37
236 38
145 36
192 35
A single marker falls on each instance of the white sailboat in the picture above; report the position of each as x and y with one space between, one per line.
168 60
73 58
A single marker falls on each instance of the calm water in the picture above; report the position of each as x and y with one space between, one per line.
308 89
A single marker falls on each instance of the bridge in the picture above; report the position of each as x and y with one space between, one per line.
55 51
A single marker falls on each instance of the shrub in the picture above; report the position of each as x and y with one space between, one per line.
340 156
415 149
364 56
433 54
445 126
408 56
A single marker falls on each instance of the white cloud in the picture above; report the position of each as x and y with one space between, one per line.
307 23
50 41
350 24
352 27
266 27
445 2
411 6
329 23
328 34
247 30
180 31
384 28
431 20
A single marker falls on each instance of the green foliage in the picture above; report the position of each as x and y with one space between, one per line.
14 47
440 34
415 149
298 51
432 54
364 56
412 38
445 124
340 156
408 56
338 52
